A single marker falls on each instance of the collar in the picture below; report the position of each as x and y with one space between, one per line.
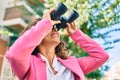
56 64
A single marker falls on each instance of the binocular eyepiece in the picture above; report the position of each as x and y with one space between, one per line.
60 10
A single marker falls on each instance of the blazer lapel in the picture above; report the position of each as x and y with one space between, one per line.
40 67
72 64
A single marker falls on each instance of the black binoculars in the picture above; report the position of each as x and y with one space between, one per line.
60 10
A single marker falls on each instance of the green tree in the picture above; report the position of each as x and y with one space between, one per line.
94 16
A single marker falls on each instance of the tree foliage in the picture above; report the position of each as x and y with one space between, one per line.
94 16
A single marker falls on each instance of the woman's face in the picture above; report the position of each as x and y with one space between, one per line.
53 37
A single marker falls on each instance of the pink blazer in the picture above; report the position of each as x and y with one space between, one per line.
30 67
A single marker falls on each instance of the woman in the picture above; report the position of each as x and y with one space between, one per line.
50 60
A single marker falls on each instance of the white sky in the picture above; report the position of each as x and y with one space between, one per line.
115 52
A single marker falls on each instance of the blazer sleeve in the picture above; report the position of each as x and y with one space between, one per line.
19 53
97 55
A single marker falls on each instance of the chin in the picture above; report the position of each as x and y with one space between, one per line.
56 42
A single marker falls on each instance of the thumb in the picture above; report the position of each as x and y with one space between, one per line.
55 22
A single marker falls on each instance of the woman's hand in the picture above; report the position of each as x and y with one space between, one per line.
47 14
71 28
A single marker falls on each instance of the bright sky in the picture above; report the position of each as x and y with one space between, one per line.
115 52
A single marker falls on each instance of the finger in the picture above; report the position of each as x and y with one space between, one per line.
45 11
56 22
51 10
68 27
73 26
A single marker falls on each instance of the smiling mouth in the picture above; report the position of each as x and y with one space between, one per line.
55 35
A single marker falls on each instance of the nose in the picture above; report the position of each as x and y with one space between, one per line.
55 28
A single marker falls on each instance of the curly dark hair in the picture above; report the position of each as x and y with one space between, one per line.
60 50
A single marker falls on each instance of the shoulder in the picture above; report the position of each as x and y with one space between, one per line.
36 57
71 57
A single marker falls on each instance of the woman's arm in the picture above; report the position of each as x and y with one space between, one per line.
97 55
20 52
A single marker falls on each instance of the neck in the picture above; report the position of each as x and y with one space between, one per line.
48 51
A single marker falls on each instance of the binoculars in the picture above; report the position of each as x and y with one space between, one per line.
60 10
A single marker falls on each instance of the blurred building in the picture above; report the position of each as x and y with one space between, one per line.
15 15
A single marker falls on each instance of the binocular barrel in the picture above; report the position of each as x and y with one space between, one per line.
60 10
73 16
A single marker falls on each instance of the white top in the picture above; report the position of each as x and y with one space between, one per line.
62 72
